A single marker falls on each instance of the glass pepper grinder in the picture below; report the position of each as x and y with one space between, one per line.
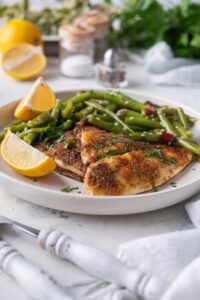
111 72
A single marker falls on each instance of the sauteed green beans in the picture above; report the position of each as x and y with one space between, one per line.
115 112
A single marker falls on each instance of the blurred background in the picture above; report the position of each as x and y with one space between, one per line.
101 35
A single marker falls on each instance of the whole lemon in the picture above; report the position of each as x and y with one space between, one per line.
18 31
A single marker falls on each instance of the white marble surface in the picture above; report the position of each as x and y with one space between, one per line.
106 232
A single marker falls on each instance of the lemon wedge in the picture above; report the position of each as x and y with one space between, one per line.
23 61
39 99
25 159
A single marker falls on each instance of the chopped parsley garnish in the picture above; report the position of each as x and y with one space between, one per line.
159 154
101 155
173 184
98 146
68 189
52 134
60 139
113 142
66 145
49 147
107 153
111 151
124 150
154 188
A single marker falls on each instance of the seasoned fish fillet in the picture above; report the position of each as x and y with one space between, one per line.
97 144
135 172
68 161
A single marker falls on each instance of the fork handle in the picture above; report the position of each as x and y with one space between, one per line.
34 281
99 263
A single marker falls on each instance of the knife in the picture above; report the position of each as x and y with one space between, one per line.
94 261
34 281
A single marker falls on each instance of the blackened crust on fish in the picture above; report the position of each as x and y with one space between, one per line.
133 173
69 162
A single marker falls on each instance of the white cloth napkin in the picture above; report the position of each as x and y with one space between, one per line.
174 257
163 68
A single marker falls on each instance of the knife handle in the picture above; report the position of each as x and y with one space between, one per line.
100 264
34 281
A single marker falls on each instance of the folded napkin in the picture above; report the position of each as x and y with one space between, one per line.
163 68
174 257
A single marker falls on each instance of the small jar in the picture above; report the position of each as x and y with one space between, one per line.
111 72
76 50
100 23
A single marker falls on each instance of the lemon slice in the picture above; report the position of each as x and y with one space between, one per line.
23 61
39 99
25 159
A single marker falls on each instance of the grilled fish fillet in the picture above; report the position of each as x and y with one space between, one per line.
68 161
133 173
96 144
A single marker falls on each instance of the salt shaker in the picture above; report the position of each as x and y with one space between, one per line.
111 72
100 22
76 50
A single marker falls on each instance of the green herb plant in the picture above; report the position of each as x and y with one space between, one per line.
143 23
48 19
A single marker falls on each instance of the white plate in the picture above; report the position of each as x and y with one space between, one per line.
46 191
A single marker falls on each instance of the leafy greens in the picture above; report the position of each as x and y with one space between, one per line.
143 23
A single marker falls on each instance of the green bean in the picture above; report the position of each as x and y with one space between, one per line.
110 113
134 104
33 130
109 126
169 110
191 146
79 106
182 130
145 136
187 144
2 137
117 128
18 127
66 125
30 137
183 118
144 122
192 120
67 111
166 123
83 113
55 113
110 106
113 97
131 113
103 117
122 113
39 120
